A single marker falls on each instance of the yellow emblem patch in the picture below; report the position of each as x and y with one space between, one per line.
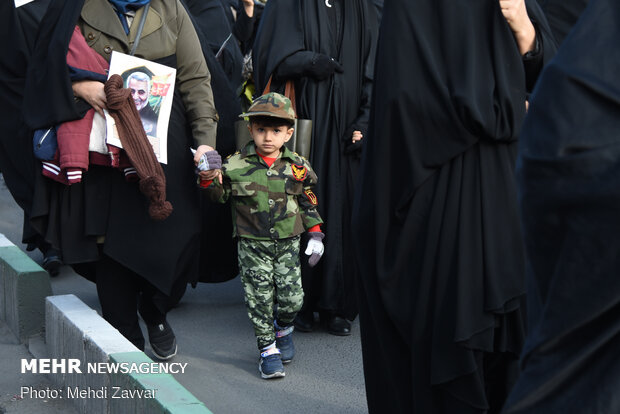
299 172
311 196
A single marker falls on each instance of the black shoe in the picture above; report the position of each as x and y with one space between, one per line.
52 262
336 325
304 321
163 341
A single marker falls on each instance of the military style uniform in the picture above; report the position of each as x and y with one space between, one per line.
271 206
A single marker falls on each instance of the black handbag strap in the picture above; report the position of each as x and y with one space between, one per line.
140 27
289 92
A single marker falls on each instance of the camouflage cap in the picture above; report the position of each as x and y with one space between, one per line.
271 104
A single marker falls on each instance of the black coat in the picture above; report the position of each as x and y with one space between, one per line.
337 106
569 173
436 221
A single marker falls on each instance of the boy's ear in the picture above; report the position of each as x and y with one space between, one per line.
289 134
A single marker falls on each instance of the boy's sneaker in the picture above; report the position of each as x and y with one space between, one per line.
163 341
284 342
270 364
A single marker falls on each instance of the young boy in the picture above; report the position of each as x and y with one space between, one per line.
270 188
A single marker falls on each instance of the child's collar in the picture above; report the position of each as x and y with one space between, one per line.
250 149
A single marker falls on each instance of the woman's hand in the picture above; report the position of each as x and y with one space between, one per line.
248 6
211 174
357 136
92 92
515 13
201 150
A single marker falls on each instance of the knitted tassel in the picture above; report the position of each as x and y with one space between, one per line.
137 146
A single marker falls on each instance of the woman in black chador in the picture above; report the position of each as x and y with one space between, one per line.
104 224
440 248
327 48
568 172
17 162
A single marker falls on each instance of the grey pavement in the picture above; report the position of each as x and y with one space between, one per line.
215 338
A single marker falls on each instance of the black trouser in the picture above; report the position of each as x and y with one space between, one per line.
122 293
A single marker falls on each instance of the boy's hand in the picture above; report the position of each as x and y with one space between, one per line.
315 247
357 136
211 175
515 13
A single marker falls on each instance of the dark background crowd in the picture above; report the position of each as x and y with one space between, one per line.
466 158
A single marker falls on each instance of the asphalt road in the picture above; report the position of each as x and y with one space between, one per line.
215 338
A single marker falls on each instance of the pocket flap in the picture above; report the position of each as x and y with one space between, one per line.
242 188
294 187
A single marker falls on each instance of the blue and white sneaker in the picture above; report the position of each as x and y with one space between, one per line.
284 342
270 363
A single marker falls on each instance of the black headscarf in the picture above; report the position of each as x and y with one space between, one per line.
569 181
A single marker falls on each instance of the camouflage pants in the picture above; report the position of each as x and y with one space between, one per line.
270 271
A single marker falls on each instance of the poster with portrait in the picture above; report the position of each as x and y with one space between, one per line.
152 90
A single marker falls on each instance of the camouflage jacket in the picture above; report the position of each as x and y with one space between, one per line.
268 203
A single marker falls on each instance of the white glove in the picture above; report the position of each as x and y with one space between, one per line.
315 247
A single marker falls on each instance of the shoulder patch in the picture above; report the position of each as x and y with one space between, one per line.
299 172
311 197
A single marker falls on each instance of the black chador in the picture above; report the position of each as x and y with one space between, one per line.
568 174
562 15
218 261
295 40
211 19
436 218
19 27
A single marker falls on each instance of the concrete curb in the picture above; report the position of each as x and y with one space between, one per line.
23 288
75 331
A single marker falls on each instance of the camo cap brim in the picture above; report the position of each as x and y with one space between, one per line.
271 104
